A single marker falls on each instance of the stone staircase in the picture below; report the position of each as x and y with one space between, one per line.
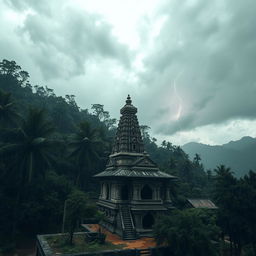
145 252
129 230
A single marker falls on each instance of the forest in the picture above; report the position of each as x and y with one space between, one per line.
50 148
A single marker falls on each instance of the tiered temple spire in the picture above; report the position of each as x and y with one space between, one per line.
128 137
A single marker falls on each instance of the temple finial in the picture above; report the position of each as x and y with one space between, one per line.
128 101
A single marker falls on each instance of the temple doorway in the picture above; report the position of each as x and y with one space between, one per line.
125 192
146 192
148 221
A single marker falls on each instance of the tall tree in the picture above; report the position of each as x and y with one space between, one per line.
249 206
77 207
104 116
229 196
29 149
85 146
197 159
27 152
11 69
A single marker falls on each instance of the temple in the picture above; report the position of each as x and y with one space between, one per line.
133 189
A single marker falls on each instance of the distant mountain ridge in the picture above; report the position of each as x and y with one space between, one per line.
239 155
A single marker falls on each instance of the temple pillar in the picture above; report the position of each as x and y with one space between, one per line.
157 191
112 191
167 194
118 191
136 191
103 194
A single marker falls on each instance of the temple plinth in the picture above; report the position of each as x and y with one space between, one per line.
133 189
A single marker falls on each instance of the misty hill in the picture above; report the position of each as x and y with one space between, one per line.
238 155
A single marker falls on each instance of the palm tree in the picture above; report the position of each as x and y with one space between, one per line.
29 149
85 146
222 170
224 179
27 153
197 159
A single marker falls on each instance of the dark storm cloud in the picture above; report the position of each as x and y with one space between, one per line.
213 45
68 38
198 70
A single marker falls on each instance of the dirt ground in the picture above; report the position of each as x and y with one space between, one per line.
141 243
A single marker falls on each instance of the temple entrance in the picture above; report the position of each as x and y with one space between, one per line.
146 192
148 221
125 192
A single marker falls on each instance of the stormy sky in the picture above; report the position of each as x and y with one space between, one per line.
190 66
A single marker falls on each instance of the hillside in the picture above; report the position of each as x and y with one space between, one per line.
239 155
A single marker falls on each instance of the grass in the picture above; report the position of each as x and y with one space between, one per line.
60 244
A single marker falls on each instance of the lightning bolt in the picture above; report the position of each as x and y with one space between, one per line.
179 111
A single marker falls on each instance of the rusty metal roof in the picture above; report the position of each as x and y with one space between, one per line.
202 203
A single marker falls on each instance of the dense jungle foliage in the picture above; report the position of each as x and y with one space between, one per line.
50 147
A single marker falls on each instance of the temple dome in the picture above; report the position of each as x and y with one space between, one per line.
128 107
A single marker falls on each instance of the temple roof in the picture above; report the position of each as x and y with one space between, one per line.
134 173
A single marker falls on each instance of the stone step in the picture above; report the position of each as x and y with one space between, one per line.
145 252
130 236
128 231
128 227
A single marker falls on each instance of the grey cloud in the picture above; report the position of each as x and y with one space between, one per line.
213 43
184 124
69 39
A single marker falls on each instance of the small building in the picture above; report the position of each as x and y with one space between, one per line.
133 189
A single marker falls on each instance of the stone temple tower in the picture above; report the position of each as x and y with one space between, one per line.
133 189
